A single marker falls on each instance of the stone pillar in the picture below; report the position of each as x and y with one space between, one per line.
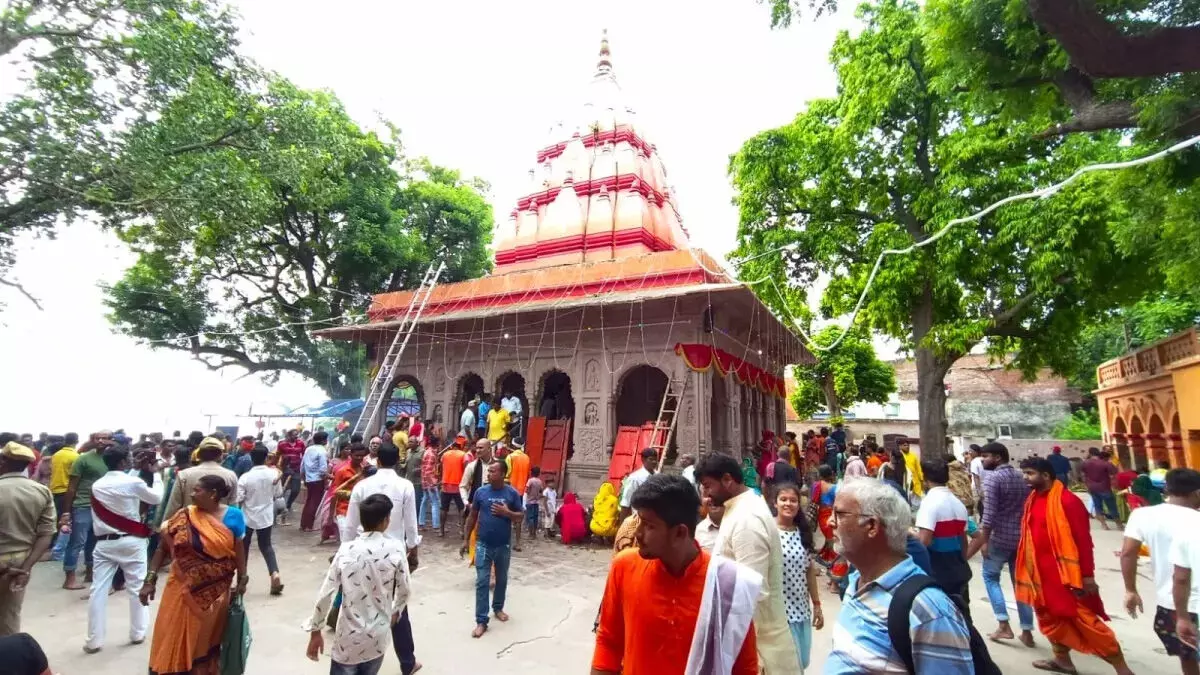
1137 445
1156 450
687 424
733 441
594 427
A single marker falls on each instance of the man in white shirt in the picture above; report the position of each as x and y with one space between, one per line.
688 463
257 491
512 404
748 535
634 480
975 466
372 573
1162 528
121 537
466 421
401 527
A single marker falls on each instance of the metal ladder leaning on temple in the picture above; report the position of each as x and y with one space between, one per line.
664 426
381 386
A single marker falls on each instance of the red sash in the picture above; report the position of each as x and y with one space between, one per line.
118 522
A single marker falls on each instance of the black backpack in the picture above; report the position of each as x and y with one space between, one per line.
898 628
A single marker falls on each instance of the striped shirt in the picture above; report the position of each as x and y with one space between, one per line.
941 643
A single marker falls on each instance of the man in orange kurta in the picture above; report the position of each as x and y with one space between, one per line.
652 599
1055 571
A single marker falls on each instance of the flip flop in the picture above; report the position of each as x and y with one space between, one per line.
1053 667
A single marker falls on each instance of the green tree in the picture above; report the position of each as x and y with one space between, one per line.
842 376
86 71
254 244
1082 425
1129 328
887 163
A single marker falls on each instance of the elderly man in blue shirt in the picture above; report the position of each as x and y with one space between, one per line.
872 521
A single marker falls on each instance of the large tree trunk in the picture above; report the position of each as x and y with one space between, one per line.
931 403
931 380
831 399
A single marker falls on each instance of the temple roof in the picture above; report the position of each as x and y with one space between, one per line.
598 191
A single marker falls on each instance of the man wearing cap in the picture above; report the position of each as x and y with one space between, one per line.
466 421
209 453
453 463
1062 465
26 530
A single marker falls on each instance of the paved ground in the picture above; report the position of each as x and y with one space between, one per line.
553 595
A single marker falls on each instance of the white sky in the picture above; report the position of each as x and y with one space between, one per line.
475 85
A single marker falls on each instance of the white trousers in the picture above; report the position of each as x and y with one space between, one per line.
129 555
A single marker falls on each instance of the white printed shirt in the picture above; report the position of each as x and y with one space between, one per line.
256 493
372 574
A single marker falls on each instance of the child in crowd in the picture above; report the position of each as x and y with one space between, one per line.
372 572
533 500
548 506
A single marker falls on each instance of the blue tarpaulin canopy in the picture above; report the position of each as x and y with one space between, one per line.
334 408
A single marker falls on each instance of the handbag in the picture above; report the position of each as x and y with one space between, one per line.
235 644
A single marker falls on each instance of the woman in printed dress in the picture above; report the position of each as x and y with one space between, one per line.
800 597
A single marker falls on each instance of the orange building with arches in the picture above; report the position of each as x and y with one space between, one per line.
1149 402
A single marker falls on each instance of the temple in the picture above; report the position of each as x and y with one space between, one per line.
597 302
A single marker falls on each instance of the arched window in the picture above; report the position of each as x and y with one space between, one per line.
404 401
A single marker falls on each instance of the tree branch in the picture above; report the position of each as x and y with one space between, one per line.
1097 46
1089 114
29 296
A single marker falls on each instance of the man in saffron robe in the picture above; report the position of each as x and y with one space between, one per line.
1055 573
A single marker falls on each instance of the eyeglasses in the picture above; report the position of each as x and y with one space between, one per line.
838 515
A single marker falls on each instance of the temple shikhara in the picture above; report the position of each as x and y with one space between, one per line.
597 310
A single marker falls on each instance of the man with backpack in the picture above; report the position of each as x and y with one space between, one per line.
926 629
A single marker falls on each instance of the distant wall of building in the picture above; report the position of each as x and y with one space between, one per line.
1020 448
1023 418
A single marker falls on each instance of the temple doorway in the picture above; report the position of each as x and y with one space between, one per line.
640 398
470 387
407 398
512 382
555 401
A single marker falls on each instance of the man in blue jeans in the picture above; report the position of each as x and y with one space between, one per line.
86 470
1098 473
1004 494
495 507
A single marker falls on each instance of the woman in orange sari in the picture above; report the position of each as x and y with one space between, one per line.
204 541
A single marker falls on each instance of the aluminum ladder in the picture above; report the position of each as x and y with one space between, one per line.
668 413
381 386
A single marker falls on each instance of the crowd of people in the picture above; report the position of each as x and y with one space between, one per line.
898 533
716 566
190 507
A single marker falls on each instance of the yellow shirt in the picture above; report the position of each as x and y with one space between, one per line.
60 469
913 463
400 440
497 422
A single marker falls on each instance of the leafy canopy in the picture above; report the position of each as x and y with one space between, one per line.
87 71
887 163
286 228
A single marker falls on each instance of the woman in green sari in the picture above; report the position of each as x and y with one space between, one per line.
750 475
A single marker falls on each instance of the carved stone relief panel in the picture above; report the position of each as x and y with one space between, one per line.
591 414
591 375
439 380
591 445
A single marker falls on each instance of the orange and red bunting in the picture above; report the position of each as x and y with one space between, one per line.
697 357
701 358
